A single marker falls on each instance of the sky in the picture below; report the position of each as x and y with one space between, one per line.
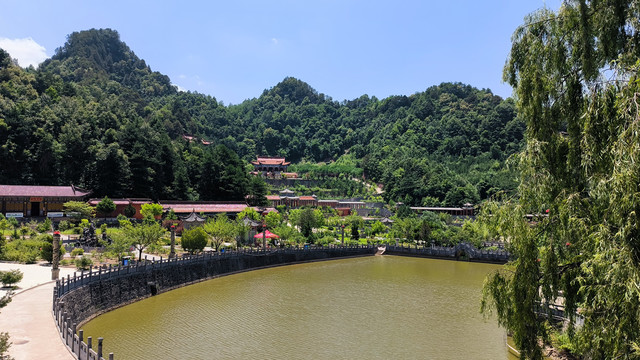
234 50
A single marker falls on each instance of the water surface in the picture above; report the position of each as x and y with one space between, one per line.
382 307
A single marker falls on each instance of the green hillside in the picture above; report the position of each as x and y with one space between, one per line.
97 116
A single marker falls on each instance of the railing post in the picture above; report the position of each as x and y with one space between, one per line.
110 356
89 344
100 348
80 340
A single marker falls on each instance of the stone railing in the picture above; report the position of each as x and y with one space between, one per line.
88 294
462 251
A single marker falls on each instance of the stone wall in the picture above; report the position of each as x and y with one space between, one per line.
78 299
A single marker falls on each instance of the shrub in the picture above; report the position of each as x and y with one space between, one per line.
24 251
64 225
194 240
46 247
77 251
10 277
83 263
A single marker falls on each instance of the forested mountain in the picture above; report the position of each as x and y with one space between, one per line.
95 115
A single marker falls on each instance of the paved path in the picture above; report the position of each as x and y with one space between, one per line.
28 318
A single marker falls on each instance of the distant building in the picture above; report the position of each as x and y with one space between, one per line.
35 200
271 167
122 204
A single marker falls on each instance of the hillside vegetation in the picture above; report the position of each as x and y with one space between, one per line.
96 116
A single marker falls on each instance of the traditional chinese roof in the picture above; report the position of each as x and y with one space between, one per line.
263 160
43 191
307 198
286 191
96 201
386 220
273 197
249 222
186 208
193 217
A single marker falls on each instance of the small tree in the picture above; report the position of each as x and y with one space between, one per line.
46 249
11 277
143 235
273 219
119 245
83 263
129 211
221 230
105 206
194 240
78 210
151 210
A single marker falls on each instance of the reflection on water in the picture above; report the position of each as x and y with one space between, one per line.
379 307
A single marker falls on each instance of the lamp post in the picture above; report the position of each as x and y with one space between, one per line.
264 235
342 226
172 253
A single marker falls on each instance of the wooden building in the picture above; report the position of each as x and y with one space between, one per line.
122 204
270 167
36 200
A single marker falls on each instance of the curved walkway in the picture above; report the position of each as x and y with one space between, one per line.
28 318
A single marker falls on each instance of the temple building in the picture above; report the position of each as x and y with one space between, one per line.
34 200
272 167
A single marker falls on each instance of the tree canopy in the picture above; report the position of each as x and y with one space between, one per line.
575 75
96 116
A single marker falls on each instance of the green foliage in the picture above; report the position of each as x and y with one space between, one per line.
43 226
120 243
11 277
46 248
106 206
129 211
194 240
151 210
250 213
575 74
83 263
273 219
23 251
77 251
78 210
221 230
64 225
143 235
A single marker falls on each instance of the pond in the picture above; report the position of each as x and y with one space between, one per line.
378 307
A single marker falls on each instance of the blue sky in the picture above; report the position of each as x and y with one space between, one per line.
233 50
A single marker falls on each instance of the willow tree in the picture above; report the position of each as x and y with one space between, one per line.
575 79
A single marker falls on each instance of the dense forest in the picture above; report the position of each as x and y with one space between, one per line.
96 116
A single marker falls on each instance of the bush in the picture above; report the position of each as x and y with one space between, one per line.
64 225
10 277
46 247
194 240
44 226
77 230
24 251
77 251
83 263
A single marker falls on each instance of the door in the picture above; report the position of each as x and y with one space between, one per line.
35 209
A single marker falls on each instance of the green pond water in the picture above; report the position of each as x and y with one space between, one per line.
382 307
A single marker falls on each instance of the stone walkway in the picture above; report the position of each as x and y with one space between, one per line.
28 318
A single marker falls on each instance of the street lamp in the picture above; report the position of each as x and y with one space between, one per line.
342 226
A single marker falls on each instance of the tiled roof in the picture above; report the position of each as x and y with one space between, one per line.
205 208
307 198
270 161
42 191
273 197
95 202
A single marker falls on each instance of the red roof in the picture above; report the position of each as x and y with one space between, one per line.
273 197
205 208
42 191
270 161
307 198
115 201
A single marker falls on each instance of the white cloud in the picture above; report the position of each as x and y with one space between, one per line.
180 88
27 51
274 41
